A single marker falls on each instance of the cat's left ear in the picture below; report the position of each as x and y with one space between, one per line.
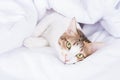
72 29
92 47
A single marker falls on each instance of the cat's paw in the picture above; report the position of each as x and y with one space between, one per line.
34 42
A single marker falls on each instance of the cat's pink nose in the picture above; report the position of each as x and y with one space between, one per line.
66 60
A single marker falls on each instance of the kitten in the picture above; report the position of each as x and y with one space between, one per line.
65 36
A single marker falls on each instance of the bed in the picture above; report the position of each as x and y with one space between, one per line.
20 63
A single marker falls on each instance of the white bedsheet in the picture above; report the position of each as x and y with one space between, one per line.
43 64
18 18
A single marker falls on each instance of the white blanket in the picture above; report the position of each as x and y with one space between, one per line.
18 18
42 64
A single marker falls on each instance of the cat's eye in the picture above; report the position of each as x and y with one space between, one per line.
68 44
80 56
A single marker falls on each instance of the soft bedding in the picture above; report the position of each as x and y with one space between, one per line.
43 64
18 19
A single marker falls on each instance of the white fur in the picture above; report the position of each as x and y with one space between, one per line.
33 42
71 54
51 28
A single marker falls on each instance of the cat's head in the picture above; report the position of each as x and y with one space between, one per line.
74 45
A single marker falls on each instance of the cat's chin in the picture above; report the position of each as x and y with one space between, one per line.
73 61
67 63
70 63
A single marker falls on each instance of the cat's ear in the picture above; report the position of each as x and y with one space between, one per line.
72 29
92 47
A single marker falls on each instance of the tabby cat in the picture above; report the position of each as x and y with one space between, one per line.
65 36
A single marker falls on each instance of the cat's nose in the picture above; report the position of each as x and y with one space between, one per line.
65 58
66 61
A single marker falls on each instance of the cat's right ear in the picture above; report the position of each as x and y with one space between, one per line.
72 29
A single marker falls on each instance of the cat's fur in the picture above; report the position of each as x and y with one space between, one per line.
56 30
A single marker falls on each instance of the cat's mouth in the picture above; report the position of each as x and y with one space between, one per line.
78 57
